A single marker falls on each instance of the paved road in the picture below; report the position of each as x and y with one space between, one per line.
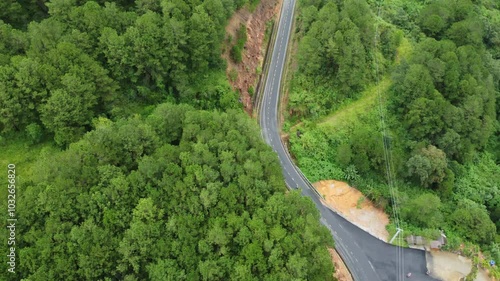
368 258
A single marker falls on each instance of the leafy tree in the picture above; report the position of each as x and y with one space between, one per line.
424 210
142 238
22 88
429 165
20 14
167 120
309 55
466 32
416 82
34 132
226 215
44 36
153 52
425 117
471 221
69 110
350 58
12 42
204 40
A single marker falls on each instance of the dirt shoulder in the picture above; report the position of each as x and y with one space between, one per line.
254 50
341 271
351 203
346 200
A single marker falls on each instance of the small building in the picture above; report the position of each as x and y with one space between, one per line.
415 241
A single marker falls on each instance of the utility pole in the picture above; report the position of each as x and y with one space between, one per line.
397 232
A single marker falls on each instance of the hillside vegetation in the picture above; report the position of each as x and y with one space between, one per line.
431 70
182 194
133 159
85 60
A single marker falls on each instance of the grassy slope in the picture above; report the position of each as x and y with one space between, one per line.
24 156
368 100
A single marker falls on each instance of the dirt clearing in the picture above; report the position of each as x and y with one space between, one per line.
253 52
451 267
351 203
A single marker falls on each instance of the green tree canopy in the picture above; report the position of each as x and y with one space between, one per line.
424 210
471 220
429 165
182 194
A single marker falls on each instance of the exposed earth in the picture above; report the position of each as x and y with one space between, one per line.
451 267
341 271
254 51
344 199
351 203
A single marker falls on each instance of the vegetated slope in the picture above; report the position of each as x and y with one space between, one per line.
246 47
441 109
182 194
139 189
335 55
87 59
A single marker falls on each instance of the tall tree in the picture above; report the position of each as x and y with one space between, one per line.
429 165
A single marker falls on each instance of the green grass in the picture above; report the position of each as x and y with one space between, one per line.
269 29
369 98
237 49
404 50
19 152
252 5
348 113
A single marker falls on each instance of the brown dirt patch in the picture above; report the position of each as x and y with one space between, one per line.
451 267
362 212
253 52
341 271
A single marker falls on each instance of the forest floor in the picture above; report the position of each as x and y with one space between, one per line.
254 50
451 267
351 203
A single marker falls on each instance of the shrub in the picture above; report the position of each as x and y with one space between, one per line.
251 91
236 54
34 133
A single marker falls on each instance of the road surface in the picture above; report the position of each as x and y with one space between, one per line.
368 258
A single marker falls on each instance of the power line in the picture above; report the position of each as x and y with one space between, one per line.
388 160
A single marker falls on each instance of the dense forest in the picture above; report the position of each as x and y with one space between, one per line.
91 59
134 160
417 81
182 194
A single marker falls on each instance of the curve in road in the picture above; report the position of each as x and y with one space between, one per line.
368 258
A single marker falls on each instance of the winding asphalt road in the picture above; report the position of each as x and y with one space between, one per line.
368 258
